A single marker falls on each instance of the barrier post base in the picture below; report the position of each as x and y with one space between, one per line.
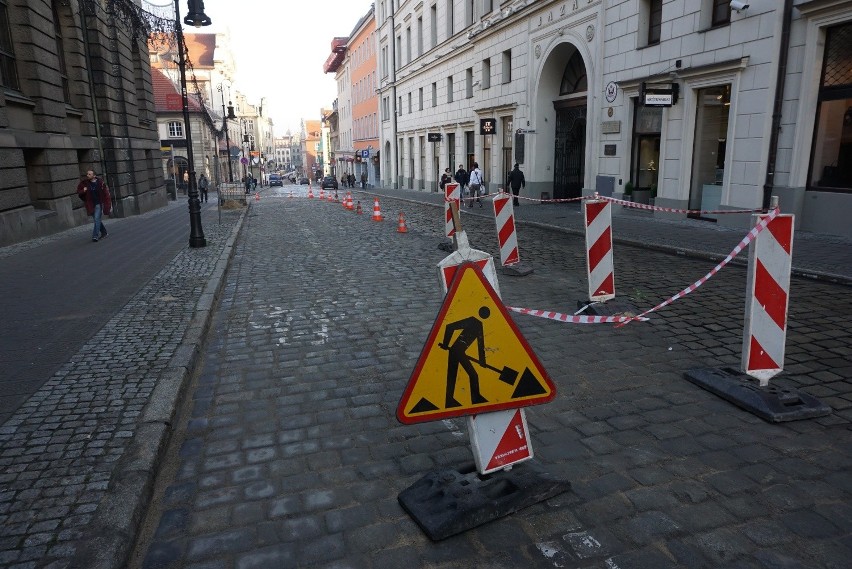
446 246
516 270
612 307
771 403
448 502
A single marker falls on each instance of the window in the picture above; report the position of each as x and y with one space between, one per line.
655 21
708 154
507 66
175 129
449 18
451 150
400 105
398 53
721 12
486 73
409 102
433 24
468 12
435 94
385 66
449 89
8 67
468 82
60 51
419 36
831 161
487 6
420 99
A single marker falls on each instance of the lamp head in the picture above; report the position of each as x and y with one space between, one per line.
196 16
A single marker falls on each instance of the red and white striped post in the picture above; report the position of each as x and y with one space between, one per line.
599 266
507 237
451 193
768 293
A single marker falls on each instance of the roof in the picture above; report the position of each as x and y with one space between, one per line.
167 97
201 48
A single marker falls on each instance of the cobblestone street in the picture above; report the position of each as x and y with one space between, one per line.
288 453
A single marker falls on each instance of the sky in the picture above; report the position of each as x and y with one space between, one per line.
280 47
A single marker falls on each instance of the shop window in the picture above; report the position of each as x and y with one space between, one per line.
645 159
831 161
708 155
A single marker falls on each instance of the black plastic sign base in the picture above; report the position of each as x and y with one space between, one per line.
516 270
770 403
449 502
612 307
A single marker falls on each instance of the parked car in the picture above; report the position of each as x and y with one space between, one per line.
329 183
276 180
304 181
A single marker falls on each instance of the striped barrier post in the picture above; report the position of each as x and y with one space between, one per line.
507 237
768 294
451 193
599 266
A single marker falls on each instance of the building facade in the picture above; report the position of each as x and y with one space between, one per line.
691 103
76 95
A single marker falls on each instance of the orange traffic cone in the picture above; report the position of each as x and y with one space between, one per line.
401 228
310 192
322 194
358 209
377 212
257 196
347 203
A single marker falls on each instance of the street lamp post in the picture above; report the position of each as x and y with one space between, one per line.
225 118
197 18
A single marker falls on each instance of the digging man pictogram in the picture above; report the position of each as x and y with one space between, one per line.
470 331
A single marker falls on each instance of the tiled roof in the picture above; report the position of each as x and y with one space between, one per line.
167 97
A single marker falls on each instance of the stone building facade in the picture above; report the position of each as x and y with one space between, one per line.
691 103
76 95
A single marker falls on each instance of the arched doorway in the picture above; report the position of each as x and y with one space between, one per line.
569 172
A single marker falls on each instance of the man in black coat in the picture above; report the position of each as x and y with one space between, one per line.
516 181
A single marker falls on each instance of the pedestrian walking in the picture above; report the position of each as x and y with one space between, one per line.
461 179
516 181
364 180
475 183
446 177
247 182
203 185
95 194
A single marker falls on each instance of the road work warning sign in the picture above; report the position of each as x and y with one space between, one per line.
475 359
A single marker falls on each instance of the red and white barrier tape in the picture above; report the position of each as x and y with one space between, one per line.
623 320
676 210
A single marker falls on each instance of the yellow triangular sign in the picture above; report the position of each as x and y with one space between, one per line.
475 359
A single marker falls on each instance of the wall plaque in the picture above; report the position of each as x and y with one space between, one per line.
610 127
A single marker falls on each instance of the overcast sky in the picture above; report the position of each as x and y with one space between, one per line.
280 47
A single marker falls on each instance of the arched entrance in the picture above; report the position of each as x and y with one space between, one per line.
562 114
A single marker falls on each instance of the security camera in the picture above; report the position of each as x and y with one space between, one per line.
737 5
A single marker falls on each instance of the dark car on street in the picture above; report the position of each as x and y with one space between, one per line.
329 183
276 180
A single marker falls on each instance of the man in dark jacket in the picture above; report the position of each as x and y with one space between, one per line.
95 195
516 181
446 178
461 179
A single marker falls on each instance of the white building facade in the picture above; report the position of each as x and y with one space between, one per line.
674 99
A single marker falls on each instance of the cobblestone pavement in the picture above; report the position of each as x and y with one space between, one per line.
288 453
67 455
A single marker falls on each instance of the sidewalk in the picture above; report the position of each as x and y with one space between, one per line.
824 257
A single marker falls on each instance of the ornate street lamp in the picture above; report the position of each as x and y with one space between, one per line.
197 18
225 118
